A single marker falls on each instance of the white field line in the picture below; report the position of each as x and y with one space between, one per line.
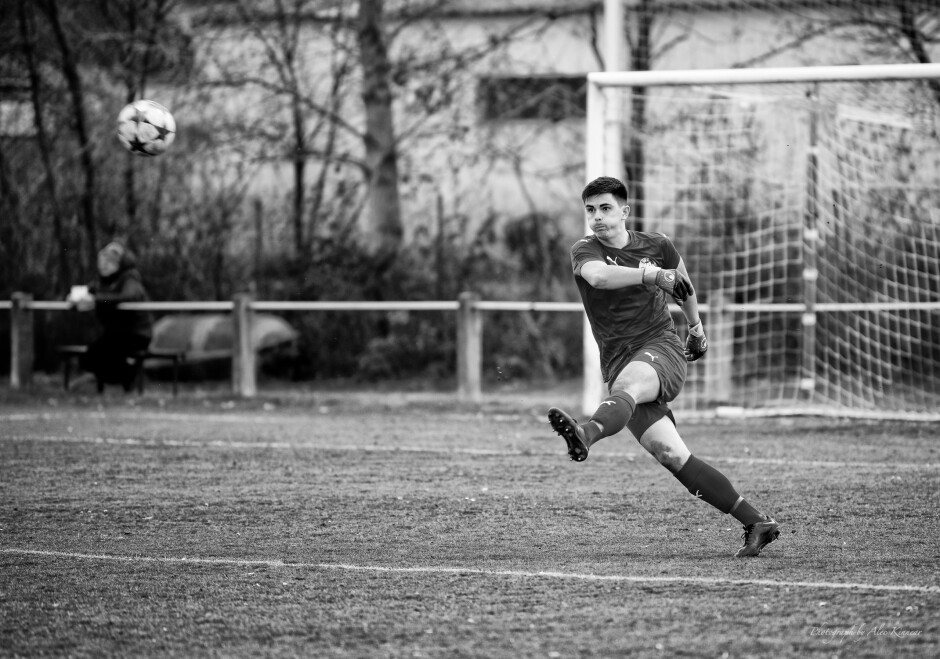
446 450
574 576
237 418
279 416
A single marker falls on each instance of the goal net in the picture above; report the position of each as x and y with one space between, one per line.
806 205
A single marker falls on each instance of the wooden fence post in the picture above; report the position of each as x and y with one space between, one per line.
21 341
469 348
244 368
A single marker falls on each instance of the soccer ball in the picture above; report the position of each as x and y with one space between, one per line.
146 128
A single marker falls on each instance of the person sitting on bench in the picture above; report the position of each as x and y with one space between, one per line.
123 332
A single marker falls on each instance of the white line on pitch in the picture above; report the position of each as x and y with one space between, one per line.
373 448
575 576
236 418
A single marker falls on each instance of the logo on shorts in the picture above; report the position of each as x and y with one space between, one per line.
609 402
652 356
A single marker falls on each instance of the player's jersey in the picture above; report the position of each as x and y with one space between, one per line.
622 320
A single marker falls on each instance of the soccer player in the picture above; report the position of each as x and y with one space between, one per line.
623 277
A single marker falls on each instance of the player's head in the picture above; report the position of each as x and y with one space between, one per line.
606 209
605 185
110 258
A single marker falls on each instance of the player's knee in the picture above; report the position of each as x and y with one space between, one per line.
671 460
641 387
671 457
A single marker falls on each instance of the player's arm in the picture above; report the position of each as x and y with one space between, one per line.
608 276
695 344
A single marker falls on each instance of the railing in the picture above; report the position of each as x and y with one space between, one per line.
469 308
711 383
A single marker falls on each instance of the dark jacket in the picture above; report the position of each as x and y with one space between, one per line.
125 285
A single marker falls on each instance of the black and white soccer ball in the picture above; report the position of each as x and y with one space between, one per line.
146 128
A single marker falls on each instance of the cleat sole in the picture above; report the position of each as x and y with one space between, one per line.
565 426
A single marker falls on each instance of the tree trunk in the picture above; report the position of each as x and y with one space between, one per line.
74 82
383 224
45 152
300 169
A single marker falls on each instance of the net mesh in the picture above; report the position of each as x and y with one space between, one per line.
809 217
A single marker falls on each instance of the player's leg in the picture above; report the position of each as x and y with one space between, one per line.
662 440
655 370
654 427
637 383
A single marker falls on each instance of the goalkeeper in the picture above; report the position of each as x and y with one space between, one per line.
623 277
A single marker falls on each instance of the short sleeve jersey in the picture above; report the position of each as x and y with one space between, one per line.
624 319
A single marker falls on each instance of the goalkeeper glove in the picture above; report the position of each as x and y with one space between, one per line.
672 281
695 343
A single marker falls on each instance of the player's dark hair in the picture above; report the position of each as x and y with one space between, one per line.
603 185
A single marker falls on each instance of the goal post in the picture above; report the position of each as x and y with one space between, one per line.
805 203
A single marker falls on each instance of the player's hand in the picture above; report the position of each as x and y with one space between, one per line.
696 344
672 281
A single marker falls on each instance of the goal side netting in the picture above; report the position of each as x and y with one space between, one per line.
806 204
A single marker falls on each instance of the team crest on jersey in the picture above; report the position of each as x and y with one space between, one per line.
646 261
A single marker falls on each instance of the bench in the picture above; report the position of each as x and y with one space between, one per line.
71 353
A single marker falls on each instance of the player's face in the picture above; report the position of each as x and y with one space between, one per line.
606 217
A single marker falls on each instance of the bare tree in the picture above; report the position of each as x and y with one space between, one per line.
138 39
293 83
640 55
645 48
384 206
897 30
28 38
68 60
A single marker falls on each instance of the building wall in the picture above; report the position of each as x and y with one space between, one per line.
480 168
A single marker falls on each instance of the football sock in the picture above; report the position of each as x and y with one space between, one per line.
612 414
712 487
746 513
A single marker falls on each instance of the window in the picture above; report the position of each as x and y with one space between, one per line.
544 97
16 119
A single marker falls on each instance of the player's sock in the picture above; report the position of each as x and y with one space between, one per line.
612 415
712 487
746 513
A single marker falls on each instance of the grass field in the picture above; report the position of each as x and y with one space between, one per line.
341 524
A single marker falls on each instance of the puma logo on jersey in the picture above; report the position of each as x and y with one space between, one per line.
652 356
609 402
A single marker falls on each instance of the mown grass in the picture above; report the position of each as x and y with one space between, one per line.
364 525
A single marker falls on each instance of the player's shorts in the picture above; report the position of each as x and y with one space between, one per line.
666 355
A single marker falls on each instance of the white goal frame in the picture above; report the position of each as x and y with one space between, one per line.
605 126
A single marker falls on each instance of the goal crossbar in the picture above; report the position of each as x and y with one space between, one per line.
847 73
